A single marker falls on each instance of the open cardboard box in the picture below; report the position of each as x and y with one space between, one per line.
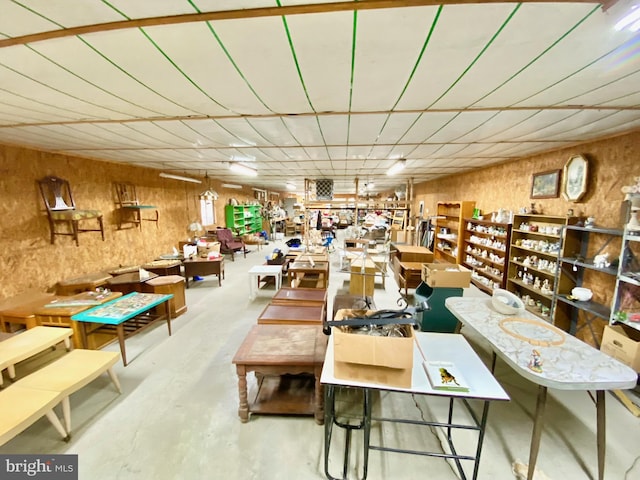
446 275
623 344
372 359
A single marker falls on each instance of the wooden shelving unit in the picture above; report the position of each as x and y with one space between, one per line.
486 252
534 253
449 230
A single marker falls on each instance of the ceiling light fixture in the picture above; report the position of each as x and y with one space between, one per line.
232 185
178 177
397 167
290 186
631 20
243 169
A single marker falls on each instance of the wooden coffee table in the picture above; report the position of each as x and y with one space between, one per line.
274 353
292 315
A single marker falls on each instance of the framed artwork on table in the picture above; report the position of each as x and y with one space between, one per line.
574 178
545 184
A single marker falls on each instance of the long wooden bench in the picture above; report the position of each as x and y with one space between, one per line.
21 346
35 395
21 407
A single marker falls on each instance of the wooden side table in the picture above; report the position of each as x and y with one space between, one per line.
315 275
20 310
174 284
273 352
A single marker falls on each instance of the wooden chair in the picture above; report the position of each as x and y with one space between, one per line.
229 243
61 209
129 207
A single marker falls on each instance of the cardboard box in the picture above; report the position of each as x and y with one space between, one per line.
373 359
623 344
446 275
205 247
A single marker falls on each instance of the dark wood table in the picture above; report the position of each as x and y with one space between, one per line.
292 315
275 353
203 266
164 267
90 281
129 282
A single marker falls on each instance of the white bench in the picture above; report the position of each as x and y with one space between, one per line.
21 346
36 394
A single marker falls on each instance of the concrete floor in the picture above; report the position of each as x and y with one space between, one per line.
177 415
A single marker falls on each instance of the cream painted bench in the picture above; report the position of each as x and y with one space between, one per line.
70 373
21 407
35 395
21 346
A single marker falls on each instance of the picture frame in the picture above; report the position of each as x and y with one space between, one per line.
546 184
575 178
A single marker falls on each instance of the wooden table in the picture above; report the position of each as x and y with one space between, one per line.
567 363
90 281
20 309
173 284
307 297
305 274
202 266
292 315
164 267
129 282
408 275
273 352
58 313
132 309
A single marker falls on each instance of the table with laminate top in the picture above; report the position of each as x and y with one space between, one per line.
548 357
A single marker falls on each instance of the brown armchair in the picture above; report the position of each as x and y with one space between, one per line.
61 209
229 243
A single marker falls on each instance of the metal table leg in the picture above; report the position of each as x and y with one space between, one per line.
537 431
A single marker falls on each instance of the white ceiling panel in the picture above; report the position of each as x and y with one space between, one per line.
326 94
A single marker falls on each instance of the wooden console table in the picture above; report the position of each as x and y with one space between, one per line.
273 352
302 273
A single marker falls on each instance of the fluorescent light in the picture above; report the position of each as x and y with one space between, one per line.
628 19
243 169
178 177
232 185
290 186
397 167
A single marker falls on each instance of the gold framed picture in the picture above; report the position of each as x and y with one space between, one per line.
575 178
545 184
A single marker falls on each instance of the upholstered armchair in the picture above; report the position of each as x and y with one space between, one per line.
61 209
229 243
